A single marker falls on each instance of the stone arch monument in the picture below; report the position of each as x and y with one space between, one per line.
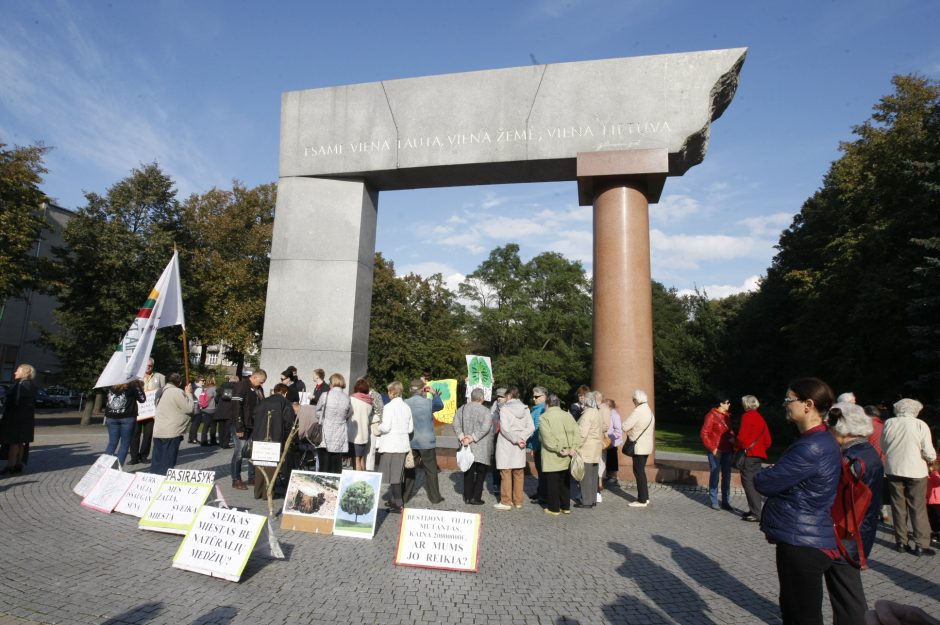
618 127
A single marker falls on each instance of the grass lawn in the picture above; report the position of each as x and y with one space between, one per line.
682 437
350 526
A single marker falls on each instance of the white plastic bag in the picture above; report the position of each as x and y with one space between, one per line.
464 458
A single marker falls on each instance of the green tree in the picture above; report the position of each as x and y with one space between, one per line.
416 325
533 319
834 302
115 250
358 499
228 261
21 221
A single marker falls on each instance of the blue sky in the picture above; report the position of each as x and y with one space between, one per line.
196 87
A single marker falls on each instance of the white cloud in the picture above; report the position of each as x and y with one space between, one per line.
767 225
718 291
687 251
574 245
452 277
674 208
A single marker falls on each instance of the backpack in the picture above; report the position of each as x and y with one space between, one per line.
853 496
204 400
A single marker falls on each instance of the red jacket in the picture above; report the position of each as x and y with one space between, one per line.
716 431
875 438
753 428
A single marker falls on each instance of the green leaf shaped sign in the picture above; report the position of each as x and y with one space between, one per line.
480 372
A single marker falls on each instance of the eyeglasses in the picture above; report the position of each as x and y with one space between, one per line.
537 396
789 400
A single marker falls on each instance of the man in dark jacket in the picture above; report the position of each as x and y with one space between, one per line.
225 411
274 418
248 394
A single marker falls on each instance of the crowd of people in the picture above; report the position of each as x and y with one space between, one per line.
796 500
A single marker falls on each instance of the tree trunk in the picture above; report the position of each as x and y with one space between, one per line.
203 350
88 408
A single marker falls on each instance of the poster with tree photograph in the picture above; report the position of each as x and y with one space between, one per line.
358 502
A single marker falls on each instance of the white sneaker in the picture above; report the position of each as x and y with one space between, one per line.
599 499
637 504
502 506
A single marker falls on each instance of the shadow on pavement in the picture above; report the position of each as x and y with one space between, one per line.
136 615
709 573
217 616
661 586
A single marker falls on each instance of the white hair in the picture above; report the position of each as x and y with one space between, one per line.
908 408
853 420
640 397
846 398
749 402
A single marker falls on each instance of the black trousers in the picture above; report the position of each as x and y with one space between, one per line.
333 462
613 461
141 438
473 480
424 459
542 491
558 490
751 468
801 570
639 474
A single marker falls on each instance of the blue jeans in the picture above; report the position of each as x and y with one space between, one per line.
237 445
165 451
120 430
722 462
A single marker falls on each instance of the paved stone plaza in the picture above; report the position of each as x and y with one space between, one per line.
674 562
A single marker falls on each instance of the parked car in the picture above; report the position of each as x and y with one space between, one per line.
51 398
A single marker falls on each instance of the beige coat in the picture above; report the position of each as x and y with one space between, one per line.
173 413
515 423
591 425
635 424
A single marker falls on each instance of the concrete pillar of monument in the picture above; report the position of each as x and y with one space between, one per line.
320 282
620 186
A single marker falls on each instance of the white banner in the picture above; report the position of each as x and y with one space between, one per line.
177 502
219 543
94 473
437 539
265 454
162 308
108 491
138 497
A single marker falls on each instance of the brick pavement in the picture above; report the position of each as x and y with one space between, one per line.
675 562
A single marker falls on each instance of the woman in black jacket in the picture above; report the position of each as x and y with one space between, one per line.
19 418
121 414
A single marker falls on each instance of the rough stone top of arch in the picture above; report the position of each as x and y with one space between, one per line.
523 124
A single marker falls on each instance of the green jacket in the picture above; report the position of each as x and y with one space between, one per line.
557 430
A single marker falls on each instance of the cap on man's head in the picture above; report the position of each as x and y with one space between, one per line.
501 392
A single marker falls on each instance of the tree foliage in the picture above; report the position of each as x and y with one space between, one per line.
533 319
21 221
358 499
416 325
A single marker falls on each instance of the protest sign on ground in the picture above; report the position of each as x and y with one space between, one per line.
178 500
310 502
437 539
108 490
93 474
265 454
358 503
140 494
219 543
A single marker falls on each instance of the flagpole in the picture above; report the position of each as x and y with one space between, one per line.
186 379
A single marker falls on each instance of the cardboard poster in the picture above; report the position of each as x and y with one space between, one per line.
108 490
93 474
147 409
437 539
265 454
358 502
177 502
310 502
480 375
448 391
219 543
140 494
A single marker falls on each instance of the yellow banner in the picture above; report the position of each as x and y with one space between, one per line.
448 391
